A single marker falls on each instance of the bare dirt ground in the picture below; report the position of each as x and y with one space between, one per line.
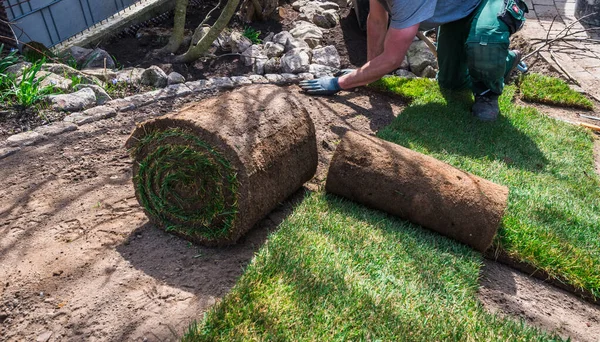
79 260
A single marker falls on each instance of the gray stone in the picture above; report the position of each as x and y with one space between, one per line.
175 78
273 66
17 69
8 151
52 80
306 76
327 56
240 80
129 75
239 43
98 59
253 53
68 72
282 38
223 41
222 82
155 77
200 85
56 128
44 336
405 64
319 70
275 78
121 105
79 54
405 73
101 74
326 19
274 49
73 102
101 95
330 6
295 43
269 38
429 72
332 16
174 90
290 78
259 65
341 3
419 57
258 79
295 61
91 115
25 139
299 4
308 32
142 99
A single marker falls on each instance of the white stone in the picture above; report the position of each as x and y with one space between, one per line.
101 95
306 76
175 78
275 78
25 139
56 128
222 82
419 57
290 78
274 49
295 61
239 43
282 38
73 102
258 79
155 77
319 70
328 56
91 115
273 66
240 80
308 32
253 53
295 43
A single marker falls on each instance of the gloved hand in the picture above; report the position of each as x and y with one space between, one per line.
321 86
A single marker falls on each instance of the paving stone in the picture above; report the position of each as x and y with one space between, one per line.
222 82
543 11
306 76
56 128
258 79
25 139
121 105
240 80
275 78
91 115
174 90
140 100
200 85
290 78
73 102
8 151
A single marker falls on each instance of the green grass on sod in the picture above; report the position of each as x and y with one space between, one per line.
553 91
553 217
336 271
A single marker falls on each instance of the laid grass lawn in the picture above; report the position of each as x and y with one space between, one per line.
336 271
553 215
553 91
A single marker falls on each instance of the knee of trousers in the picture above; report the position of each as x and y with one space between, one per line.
487 62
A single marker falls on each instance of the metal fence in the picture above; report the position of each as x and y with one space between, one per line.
53 21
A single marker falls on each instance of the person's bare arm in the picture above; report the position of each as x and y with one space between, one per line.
397 42
377 23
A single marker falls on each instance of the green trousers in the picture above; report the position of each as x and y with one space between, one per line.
473 52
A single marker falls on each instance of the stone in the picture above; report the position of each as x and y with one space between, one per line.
295 61
239 43
429 72
274 49
174 90
332 16
7 152
101 74
121 105
79 54
91 115
25 139
240 80
341 3
290 78
405 73
326 19
101 95
56 128
329 5
199 85
252 53
199 34
319 70
68 72
258 79
155 77
17 69
295 43
143 99
419 57
130 75
44 337
259 65
222 82
73 102
50 79
269 38
308 32
98 58
175 78
299 4
273 66
405 64
327 56
282 38
306 76
223 41
275 78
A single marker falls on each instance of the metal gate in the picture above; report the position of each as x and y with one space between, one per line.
53 21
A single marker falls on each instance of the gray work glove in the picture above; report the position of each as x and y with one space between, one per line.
321 86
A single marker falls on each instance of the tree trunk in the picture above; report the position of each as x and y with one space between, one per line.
196 51
178 27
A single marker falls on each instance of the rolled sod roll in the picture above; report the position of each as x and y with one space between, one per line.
211 171
418 188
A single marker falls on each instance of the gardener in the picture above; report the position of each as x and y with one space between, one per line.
472 45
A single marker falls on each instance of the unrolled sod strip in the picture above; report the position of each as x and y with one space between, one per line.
421 189
211 171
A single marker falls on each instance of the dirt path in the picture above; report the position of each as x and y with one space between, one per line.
79 261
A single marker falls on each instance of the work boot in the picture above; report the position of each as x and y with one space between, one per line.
514 56
486 107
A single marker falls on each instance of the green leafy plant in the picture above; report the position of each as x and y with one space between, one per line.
29 90
8 60
252 34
